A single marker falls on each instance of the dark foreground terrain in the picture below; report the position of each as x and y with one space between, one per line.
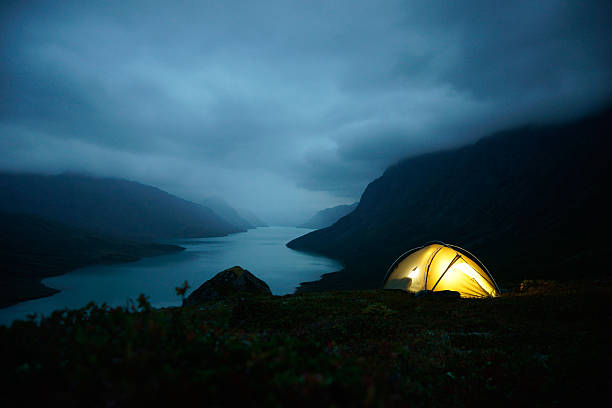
545 346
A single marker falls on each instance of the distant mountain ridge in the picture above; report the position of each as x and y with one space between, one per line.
111 206
227 212
251 218
329 216
529 202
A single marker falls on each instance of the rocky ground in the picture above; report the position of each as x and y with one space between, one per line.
547 345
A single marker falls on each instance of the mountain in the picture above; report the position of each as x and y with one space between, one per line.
252 219
110 206
328 216
227 213
32 248
531 202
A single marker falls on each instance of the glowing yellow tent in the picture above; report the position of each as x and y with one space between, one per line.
438 266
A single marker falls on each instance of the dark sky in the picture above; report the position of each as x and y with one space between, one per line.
278 106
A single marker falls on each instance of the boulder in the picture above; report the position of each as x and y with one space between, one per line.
234 281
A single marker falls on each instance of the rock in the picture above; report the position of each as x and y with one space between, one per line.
230 282
538 286
439 294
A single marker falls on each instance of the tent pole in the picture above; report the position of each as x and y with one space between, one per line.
429 264
446 270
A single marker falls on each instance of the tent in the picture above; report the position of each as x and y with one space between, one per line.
438 266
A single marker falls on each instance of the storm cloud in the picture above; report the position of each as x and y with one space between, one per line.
284 107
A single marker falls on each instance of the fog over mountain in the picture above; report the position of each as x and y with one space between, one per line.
227 212
532 202
281 107
328 216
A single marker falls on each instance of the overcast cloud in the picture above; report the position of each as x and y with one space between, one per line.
284 107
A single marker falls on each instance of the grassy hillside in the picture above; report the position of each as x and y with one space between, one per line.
545 346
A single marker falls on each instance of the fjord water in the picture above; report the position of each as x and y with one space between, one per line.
262 251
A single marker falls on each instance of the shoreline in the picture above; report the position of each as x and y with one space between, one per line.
39 289
23 289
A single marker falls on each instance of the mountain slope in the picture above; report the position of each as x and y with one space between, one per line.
111 206
251 218
227 213
32 248
530 202
328 216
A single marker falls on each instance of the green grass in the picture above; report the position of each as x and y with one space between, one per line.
547 346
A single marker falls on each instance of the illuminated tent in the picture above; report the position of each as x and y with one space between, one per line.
438 266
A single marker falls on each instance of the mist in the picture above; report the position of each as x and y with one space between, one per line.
284 108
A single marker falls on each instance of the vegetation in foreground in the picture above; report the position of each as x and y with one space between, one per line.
543 346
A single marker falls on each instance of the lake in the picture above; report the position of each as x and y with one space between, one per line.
262 251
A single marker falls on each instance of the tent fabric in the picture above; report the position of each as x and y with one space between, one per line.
438 266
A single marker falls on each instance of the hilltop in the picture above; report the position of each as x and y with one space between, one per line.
544 346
